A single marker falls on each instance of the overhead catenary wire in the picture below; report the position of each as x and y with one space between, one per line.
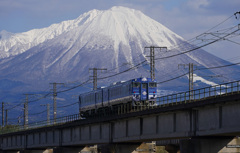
190 41
74 87
194 39
38 113
46 95
196 47
68 105
173 78
17 105
215 67
199 70
30 101
133 67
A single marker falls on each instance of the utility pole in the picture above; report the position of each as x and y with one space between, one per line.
55 100
6 122
2 114
48 113
95 76
26 111
190 78
25 123
152 60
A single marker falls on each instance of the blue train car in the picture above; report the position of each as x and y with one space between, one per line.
139 91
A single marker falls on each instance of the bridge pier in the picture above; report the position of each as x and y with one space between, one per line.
210 145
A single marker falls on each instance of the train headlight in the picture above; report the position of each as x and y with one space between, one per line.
144 79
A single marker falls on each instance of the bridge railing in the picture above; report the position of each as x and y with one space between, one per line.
199 94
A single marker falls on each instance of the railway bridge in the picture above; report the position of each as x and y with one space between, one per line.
204 120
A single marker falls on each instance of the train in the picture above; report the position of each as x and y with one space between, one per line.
135 92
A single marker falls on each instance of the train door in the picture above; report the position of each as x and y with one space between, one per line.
144 92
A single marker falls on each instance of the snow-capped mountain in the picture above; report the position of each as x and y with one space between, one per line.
118 23
112 39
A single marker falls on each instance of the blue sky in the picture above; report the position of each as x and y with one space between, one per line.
187 18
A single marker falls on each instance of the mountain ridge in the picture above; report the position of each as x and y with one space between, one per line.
26 40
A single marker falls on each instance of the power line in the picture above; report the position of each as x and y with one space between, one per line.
16 106
74 87
68 105
193 39
173 78
197 47
220 23
190 41
38 113
46 95
199 70
137 65
30 101
219 66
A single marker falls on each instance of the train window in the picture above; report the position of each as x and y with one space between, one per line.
152 85
136 85
144 85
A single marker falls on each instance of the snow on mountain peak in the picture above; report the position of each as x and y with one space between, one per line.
20 42
5 34
119 23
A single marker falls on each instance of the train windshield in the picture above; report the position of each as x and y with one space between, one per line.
136 85
152 85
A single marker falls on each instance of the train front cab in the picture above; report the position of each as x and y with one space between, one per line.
144 91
